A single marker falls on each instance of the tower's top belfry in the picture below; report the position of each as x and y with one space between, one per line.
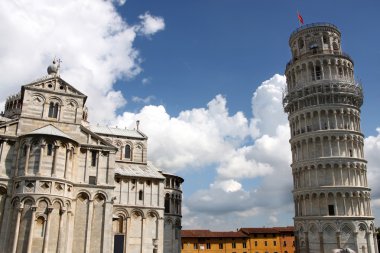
323 36
317 58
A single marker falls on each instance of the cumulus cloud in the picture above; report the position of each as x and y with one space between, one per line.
250 157
198 136
266 157
95 43
150 24
227 185
267 106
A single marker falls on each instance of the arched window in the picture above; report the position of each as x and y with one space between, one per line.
40 227
49 149
53 110
167 203
141 196
127 153
335 46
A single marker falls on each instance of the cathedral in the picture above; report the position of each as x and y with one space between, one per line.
69 186
332 199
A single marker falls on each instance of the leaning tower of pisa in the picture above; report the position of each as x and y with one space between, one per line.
323 100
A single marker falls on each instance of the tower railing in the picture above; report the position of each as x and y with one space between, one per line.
316 24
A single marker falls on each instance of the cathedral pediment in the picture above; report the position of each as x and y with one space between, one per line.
54 84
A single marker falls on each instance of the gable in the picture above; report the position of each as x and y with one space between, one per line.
93 139
54 84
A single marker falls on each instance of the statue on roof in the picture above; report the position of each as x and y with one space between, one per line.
53 69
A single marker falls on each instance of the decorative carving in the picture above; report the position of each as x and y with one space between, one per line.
59 186
45 185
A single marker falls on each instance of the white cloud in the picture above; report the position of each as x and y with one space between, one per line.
146 80
94 42
252 168
267 106
145 100
227 185
238 165
372 151
150 24
198 136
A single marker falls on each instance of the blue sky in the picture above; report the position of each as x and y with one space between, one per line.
229 47
205 79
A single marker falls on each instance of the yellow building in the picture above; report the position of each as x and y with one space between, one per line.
270 240
214 242
245 240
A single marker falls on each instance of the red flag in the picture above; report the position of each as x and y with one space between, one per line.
300 19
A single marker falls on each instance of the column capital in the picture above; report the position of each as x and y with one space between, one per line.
62 211
49 210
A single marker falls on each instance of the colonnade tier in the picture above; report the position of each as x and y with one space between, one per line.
329 144
342 203
330 175
333 117
323 66
324 95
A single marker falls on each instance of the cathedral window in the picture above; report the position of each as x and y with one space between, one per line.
93 157
127 153
53 110
49 149
141 195
92 180
25 150
167 203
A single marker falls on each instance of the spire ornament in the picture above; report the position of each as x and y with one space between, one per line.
53 69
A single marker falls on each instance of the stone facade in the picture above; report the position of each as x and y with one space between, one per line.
323 100
66 186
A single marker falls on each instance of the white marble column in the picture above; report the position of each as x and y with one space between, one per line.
55 159
47 230
26 168
61 230
41 158
17 229
89 225
31 229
